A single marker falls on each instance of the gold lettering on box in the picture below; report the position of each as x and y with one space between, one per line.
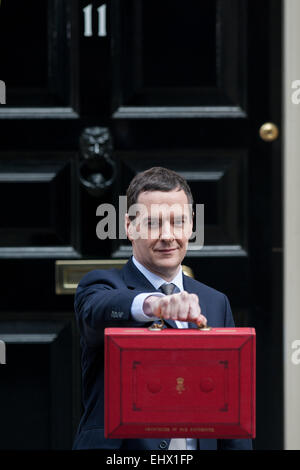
202 429
157 429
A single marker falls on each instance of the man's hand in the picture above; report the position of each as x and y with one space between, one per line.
181 307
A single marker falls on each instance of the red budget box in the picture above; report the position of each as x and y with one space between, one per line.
180 383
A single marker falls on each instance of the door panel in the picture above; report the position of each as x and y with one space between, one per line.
217 179
205 70
37 64
36 385
40 193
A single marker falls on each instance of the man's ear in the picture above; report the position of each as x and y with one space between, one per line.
192 235
127 223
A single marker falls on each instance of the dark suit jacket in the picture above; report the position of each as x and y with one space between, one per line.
103 299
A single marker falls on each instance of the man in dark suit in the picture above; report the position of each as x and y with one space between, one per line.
150 286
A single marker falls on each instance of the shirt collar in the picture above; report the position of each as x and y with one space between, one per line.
155 280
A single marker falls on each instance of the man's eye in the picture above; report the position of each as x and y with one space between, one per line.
153 223
179 222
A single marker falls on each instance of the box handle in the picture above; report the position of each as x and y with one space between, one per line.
160 325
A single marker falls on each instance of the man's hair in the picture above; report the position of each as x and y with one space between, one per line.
156 179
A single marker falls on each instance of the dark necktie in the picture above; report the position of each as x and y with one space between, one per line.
167 289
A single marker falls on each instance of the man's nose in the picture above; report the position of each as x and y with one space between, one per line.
166 232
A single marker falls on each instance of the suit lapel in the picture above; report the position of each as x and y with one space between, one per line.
190 286
134 279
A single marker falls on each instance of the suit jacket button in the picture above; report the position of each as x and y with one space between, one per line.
163 445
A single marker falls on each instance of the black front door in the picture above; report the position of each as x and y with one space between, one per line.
181 85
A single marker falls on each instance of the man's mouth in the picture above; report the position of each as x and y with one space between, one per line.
166 250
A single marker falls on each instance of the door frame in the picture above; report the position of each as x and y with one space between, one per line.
291 198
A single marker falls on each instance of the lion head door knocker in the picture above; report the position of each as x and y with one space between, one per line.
97 169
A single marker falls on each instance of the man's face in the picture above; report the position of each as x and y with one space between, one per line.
161 230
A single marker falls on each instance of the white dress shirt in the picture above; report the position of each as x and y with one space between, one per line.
139 315
137 304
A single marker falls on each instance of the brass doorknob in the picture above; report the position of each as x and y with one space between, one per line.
269 132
